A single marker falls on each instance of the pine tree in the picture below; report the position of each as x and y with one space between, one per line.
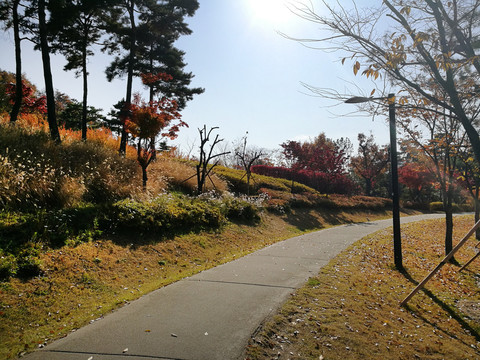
147 30
76 25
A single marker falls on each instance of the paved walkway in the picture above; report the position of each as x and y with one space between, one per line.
210 315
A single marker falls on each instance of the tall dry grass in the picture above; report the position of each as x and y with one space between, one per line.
36 173
181 175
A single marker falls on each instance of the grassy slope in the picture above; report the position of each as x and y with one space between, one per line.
85 282
351 310
81 283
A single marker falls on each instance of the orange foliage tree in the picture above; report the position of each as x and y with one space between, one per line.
146 121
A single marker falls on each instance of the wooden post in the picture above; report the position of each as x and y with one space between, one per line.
443 262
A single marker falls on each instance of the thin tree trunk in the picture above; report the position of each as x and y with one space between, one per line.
448 229
47 74
18 65
447 203
477 211
151 92
85 89
368 187
131 59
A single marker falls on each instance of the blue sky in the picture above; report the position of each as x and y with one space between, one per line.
252 77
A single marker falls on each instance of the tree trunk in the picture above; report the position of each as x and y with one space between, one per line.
477 211
85 88
144 177
448 229
131 59
47 73
447 204
368 187
18 65
200 178
150 87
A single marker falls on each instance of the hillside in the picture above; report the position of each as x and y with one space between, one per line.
79 237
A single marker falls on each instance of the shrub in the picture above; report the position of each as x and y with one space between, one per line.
28 263
8 266
438 206
180 213
53 227
243 209
325 183
36 173
167 213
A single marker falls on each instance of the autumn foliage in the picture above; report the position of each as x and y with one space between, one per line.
145 121
30 102
325 183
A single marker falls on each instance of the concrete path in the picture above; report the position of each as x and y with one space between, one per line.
210 315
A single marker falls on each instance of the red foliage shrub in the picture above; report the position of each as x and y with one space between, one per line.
325 183
30 102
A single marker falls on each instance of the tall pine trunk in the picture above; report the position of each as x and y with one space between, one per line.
85 88
18 65
47 73
131 59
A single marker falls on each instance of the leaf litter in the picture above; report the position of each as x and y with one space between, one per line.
351 309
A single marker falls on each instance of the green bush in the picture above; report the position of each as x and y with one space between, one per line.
180 213
28 263
438 206
241 209
168 213
8 266
52 227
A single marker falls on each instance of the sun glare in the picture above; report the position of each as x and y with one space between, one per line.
270 12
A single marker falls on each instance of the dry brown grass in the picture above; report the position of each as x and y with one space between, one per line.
82 283
182 175
351 310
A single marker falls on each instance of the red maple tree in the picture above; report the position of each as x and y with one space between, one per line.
145 121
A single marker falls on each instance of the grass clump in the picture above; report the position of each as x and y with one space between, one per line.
177 213
37 173
351 309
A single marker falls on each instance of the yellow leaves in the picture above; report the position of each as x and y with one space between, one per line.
424 101
403 100
356 67
406 10
371 72
420 38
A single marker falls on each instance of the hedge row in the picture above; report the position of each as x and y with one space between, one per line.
325 183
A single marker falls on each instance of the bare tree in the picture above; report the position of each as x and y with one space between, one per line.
439 138
205 167
410 44
247 158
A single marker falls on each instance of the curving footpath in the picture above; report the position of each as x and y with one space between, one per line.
211 315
